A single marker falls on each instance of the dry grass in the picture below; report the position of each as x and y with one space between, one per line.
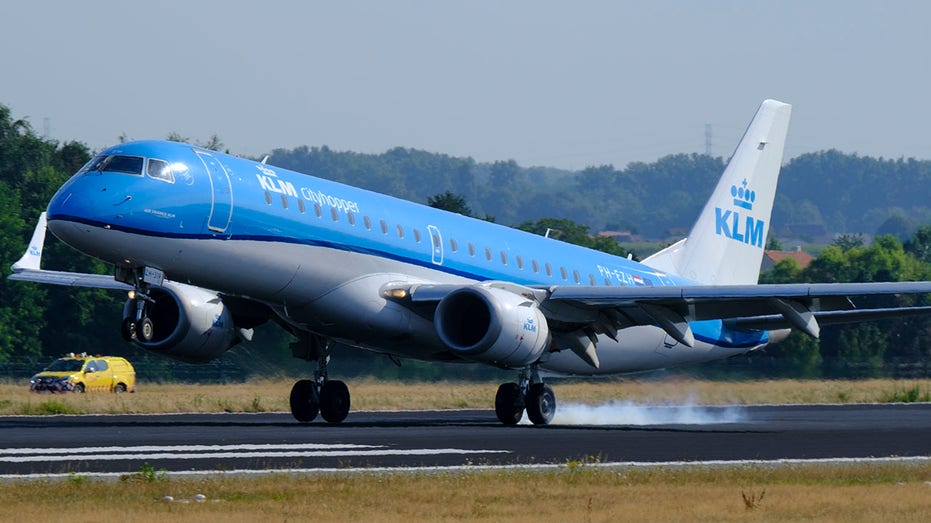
581 493
272 395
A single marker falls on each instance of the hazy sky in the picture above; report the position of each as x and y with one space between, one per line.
566 84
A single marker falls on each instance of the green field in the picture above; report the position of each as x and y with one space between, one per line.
576 492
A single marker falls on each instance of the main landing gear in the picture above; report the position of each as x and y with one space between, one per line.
329 398
531 394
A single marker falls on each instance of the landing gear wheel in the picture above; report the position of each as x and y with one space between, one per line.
304 401
128 329
541 403
334 401
508 405
146 329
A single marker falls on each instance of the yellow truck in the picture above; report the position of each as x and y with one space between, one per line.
83 373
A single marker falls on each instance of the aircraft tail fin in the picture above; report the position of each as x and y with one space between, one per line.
725 246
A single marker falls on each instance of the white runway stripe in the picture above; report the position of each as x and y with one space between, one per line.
187 452
187 448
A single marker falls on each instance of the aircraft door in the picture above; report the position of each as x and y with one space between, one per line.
221 208
436 240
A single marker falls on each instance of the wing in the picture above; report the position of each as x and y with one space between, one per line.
578 314
799 305
28 268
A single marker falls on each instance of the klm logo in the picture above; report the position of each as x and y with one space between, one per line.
730 223
530 325
276 185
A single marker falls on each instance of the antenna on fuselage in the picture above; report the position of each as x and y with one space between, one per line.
265 160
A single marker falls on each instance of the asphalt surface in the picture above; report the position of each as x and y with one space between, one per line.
196 443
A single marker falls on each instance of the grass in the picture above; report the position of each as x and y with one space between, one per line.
272 395
583 493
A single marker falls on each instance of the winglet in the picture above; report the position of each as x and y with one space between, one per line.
32 258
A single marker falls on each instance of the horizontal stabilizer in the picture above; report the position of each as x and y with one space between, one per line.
29 267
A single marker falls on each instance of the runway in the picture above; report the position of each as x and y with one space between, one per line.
207 443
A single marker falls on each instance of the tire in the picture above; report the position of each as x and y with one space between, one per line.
119 388
508 405
79 388
541 404
334 401
128 329
146 329
304 401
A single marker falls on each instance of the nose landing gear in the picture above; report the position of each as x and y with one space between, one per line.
139 326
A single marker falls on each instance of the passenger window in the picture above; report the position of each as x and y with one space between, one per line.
453 244
384 226
549 270
487 253
368 222
417 237
268 197
520 263
607 282
317 210
535 265
160 170
563 273
504 258
351 217
471 249
576 277
301 207
400 231
284 202
591 280
101 365
334 214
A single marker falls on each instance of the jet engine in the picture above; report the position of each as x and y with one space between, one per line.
189 323
492 326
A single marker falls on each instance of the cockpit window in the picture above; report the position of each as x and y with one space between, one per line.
160 170
116 164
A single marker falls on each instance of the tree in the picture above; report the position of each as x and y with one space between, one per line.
450 202
570 232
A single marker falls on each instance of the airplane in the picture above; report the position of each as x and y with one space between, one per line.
208 246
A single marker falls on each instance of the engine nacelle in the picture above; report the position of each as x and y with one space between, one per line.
191 324
492 326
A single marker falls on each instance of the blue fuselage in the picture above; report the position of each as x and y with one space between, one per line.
317 251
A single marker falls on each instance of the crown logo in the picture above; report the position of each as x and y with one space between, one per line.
743 196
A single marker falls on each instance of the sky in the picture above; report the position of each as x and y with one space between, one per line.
562 84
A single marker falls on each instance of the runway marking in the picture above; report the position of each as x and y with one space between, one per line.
243 451
482 468
191 448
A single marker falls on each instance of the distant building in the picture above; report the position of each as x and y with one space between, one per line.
771 258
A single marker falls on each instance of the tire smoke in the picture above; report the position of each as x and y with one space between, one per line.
631 413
